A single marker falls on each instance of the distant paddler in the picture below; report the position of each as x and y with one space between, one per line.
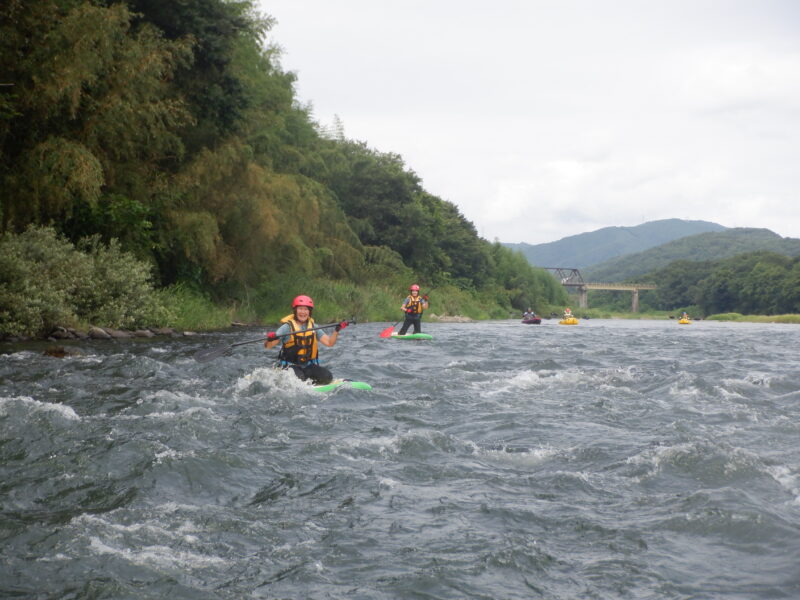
568 318
529 317
413 306
300 342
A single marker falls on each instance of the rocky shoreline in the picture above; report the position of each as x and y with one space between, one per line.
100 333
109 333
68 334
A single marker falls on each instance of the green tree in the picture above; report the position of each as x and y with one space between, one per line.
789 294
98 92
210 83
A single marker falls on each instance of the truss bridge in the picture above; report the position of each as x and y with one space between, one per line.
572 278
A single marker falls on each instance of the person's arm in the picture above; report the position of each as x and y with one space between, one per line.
330 340
405 303
282 331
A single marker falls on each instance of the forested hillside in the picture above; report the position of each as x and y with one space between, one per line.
172 128
700 247
587 249
760 283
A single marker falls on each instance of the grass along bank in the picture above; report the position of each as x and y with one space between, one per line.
333 300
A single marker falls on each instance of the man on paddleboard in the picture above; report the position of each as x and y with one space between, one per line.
413 306
300 342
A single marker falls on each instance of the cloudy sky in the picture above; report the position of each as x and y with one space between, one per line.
543 119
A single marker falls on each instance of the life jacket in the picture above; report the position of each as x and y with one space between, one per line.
414 305
301 346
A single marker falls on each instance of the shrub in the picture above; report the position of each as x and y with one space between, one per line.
118 291
45 281
37 272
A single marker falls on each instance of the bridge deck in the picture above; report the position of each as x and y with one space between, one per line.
612 286
620 286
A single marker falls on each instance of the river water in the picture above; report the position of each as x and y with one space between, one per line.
615 459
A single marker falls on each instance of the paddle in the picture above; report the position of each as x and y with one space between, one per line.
212 353
389 330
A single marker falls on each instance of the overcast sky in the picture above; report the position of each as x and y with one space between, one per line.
543 119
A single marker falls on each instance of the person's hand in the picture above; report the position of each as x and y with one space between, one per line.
271 337
425 297
341 326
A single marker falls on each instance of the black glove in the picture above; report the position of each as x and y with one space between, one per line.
341 326
271 336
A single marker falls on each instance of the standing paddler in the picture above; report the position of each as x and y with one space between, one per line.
300 342
413 306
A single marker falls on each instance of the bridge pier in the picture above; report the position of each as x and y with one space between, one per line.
583 297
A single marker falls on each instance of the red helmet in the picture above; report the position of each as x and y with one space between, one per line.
414 287
302 301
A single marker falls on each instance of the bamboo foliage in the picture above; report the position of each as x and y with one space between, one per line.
98 93
58 173
107 84
197 236
72 57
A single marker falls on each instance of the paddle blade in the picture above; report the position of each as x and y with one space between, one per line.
211 353
387 332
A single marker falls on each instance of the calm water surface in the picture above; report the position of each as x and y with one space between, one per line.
615 459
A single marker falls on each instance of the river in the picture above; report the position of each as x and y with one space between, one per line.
613 459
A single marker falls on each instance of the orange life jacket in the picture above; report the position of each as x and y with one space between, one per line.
414 305
301 346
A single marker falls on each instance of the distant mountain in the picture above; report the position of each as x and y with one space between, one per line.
585 249
700 247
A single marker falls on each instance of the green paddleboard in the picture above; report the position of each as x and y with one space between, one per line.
337 383
413 336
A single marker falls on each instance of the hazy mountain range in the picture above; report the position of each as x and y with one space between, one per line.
585 249
712 245
620 253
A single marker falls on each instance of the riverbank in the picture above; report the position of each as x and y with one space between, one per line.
99 333
599 313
